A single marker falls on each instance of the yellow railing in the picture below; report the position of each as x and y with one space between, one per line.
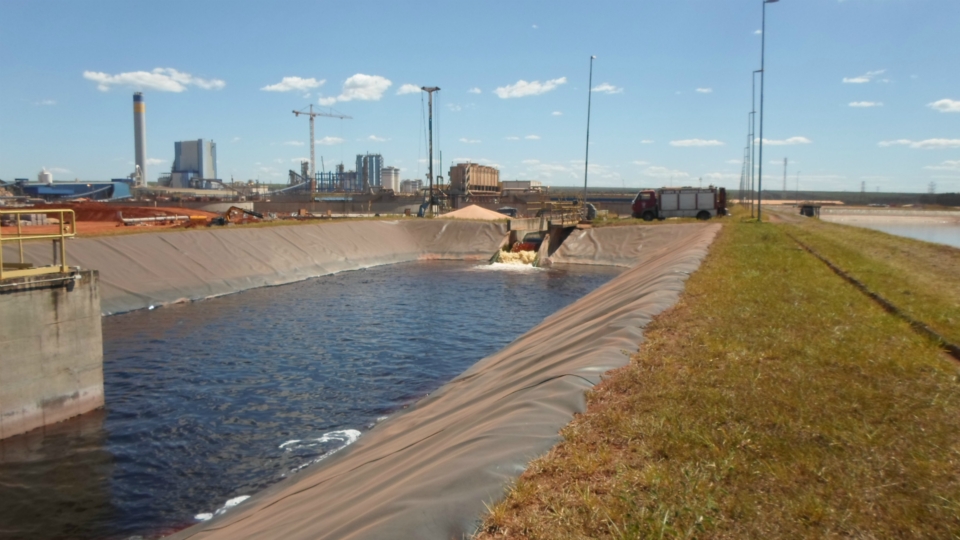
67 227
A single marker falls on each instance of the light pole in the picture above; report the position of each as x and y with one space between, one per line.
586 160
753 133
763 75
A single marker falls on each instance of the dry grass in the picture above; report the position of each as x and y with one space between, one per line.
774 401
920 278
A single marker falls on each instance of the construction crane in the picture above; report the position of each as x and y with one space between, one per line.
312 115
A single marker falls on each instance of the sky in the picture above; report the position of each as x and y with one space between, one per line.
857 92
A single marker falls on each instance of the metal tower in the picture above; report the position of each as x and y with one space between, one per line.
430 90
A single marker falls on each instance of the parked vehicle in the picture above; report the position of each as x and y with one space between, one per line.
701 203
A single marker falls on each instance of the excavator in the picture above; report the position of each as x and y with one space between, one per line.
236 215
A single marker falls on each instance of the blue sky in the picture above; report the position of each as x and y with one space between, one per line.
856 90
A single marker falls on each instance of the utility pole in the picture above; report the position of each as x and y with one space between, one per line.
430 90
586 159
763 78
312 115
784 176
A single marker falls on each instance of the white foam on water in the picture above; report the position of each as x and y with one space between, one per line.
344 436
293 441
508 267
226 506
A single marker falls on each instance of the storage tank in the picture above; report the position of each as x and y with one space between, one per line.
45 176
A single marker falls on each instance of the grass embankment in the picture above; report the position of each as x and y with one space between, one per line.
773 401
920 278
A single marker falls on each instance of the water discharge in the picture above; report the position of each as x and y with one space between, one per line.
209 402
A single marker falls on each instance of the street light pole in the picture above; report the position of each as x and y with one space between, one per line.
586 160
753 133
763 76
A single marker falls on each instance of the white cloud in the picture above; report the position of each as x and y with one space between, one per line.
454 107
47 102
374 138
474 90
155 161
59 170
523 88
299 84
663 172
705 90
512 138
530 161
646 141
866 104
696 142
235 139
717 176
329 141
639 162
300 159
950 165
535 27
608 88
293 143
945 105
865 78
556 113
532 137
757 32
160 79
408 89
735 161
931 144
787 142
469 141
360 87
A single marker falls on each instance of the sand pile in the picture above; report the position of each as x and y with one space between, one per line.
475 212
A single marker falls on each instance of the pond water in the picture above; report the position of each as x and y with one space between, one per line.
946 233
209 402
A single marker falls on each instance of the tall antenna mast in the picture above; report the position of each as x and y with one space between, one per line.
784 175
430 90
312 115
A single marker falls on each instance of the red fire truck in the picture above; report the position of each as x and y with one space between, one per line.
701 203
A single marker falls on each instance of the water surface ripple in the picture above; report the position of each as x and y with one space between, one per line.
212 400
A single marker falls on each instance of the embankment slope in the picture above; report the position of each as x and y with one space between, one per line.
144 270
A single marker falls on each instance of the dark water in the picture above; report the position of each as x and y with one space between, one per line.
214 400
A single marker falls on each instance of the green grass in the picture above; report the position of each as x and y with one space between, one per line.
774 401
921 278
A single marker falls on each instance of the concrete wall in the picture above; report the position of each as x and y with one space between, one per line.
51 350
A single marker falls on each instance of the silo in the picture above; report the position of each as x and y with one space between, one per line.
45 177
140 134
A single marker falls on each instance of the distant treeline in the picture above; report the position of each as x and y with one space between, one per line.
943 199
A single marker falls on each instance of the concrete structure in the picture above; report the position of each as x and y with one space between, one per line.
390 179
521 185
474 179
368 171
51 350
140 135
411 186
194 166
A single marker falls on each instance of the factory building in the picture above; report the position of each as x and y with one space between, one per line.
194 166
411 186
369 167
390 179
474 179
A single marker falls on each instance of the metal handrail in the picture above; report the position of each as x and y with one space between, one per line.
68 229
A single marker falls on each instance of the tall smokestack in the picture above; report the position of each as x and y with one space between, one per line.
140 134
